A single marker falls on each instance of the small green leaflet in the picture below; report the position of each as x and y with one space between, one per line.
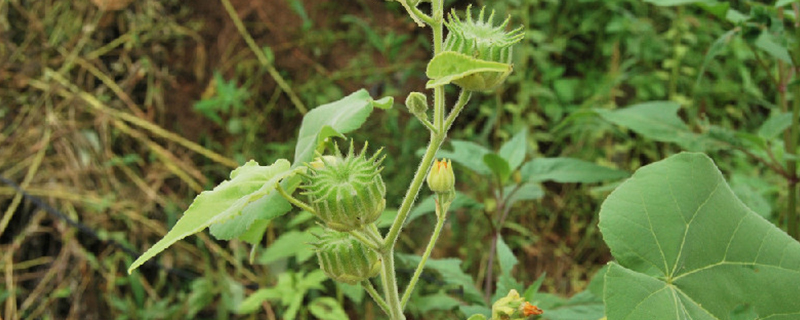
247 183
450 66
334 120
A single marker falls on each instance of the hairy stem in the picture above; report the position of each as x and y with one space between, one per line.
375 296
388 275
364 237
389 280
425 256
293 200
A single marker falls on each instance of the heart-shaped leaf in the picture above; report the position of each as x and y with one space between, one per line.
687 248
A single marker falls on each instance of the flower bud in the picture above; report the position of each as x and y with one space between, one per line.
513 307
417 104
441 178
481 40
346 193
345 259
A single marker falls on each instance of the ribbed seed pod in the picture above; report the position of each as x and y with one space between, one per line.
347 193
345 259
479 39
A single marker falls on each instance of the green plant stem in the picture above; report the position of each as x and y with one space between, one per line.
791 141
388 275
363 236
389 280
463 98
428 125
294 201
425 256
375 296
418 15
374 233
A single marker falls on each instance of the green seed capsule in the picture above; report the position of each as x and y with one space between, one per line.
481 40
346 193
345 259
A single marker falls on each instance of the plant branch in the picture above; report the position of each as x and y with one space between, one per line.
463 99
388 275
375 296
431 243
428 125
418 15
294 201
501 207
390 285
363 236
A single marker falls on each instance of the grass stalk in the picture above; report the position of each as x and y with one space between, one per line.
262 58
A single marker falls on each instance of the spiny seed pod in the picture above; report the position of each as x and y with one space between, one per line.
345 259
346 193
480 39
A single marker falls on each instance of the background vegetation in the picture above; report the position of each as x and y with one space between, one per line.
118 118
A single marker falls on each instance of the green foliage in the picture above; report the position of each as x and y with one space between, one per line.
290 291
567 170
475 74
247 183
290 244
686 246
334 120
228 100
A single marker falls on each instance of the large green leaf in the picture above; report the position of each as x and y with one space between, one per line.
507 261
776 124
687 248
498 165
468 154
514 150
582 306
568 170
657 120
334 119
263 210
772 45
248 183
